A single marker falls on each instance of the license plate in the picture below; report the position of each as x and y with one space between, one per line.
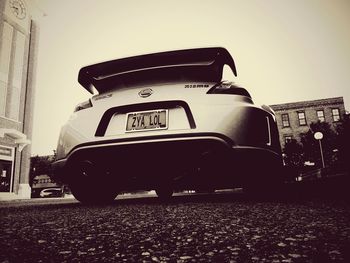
147 120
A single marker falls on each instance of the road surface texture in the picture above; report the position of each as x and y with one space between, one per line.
222 227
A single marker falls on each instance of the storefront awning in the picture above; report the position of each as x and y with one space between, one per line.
19 138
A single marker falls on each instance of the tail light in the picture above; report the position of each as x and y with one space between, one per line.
84 105
229 88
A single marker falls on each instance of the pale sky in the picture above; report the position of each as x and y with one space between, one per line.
284 51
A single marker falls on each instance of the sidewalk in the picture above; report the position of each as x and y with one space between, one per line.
9 200
9 197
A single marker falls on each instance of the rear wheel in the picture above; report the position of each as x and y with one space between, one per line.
266 183
259 190
164 193
90 195
89 188
205 190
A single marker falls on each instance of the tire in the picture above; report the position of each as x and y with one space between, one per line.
164 193
90 188
205 191
270 188
90 195
263 191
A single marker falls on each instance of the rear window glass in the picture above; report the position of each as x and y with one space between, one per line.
161 76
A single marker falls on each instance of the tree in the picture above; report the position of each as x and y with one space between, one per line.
293 154
312 148
343 141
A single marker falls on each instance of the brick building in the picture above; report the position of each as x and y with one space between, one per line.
294 118
18 51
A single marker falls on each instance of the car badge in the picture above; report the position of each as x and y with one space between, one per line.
145 93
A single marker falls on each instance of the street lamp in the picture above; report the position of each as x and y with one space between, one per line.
318 136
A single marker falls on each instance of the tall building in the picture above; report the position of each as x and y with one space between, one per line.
295 118
18 51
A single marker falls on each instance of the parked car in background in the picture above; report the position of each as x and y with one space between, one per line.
51 192
40 182
167 121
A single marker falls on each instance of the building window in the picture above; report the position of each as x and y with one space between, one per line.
12 63
285 120
6 168
287 139
302 118
335 114
320 115
5 57
15 90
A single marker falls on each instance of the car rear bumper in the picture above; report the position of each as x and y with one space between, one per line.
202 157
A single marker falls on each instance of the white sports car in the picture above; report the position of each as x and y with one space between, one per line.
166 121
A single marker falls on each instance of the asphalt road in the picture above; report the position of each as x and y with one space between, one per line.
222 227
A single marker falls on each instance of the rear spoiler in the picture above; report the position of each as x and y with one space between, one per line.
103 76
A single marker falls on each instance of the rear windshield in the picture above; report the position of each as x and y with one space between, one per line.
161 76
